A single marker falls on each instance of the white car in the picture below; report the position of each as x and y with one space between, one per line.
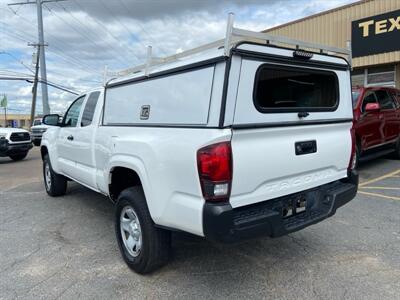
37 131
14 143
249 140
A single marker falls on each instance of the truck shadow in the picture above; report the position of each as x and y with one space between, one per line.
80 226
197 260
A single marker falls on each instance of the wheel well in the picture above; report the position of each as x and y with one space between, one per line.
43 151
122 178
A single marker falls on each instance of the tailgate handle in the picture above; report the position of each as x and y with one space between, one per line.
305 147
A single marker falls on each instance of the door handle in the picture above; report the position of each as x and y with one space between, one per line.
70 138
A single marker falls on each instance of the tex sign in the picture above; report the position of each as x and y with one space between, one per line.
377 34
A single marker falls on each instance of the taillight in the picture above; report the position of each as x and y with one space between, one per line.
215 171
353 157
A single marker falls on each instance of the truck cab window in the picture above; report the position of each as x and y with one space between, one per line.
90 107
368 98
384 99
72 116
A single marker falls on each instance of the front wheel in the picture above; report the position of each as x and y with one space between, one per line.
55 184
20 156
143 246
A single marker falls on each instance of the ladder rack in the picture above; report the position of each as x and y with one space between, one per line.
233 36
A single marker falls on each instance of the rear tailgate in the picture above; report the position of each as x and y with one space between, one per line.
276 150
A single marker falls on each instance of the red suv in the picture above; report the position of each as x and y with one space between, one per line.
376 121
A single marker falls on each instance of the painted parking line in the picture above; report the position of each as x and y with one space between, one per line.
379 195
388 175
380 187
367 186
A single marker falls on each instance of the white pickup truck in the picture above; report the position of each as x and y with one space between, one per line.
15 143
254 141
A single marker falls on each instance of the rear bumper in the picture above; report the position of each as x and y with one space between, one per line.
223 223
7 149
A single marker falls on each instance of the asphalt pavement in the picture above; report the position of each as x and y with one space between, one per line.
65 248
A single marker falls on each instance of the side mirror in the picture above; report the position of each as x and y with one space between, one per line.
371 107
52 120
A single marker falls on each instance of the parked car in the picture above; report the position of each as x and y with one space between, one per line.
37 131
228 144
376 121
14 143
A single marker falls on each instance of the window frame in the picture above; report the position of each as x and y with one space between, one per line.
389 96
294 109
366 94
94 110
69 108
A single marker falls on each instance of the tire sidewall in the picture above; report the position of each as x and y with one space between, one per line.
138 261
46 161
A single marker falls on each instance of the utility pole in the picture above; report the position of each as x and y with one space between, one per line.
35 82
41 52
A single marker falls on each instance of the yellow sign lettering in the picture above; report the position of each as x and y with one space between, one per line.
380 27
365 27
395 23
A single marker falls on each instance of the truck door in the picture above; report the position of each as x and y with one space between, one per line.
83 140
390 116
66 145
371 124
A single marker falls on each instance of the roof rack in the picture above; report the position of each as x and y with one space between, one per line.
233 36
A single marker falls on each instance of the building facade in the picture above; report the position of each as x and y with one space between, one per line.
371 27
14 120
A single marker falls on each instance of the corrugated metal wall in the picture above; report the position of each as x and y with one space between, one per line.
334 28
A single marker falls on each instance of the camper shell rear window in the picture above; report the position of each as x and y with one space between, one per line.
294 89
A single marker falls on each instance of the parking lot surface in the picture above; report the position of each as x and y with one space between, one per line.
65 248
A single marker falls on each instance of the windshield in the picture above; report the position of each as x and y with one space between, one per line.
355 94
37 122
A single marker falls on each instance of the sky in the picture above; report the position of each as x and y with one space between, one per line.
84 36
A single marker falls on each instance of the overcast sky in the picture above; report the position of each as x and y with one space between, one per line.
85 35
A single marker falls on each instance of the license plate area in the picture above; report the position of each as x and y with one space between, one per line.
294 206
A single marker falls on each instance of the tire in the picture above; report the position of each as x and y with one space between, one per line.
396 153
17 157
36 143
55 184
149 247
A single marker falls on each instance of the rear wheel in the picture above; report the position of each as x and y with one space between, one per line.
396 153
19 156
36 143
143 246
55 184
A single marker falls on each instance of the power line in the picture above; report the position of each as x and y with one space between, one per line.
77 63
80 32
40 45
141 27
109 32
122 25
92 32
16 59
65 57
29 79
